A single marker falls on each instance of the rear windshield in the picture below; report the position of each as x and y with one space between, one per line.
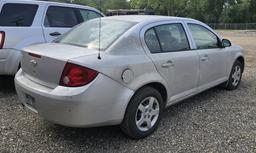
21 15
87 34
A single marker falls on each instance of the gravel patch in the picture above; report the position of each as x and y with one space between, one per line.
213 121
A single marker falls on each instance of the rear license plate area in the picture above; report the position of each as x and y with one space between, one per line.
30 101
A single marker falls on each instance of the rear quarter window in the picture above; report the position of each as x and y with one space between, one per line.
19 15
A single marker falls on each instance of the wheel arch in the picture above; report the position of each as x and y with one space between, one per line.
159 87
241 60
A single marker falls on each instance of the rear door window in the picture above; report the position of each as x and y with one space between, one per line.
60 17
88 15
167 38
20 15
172 37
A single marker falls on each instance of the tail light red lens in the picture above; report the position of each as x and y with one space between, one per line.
2 38
76 76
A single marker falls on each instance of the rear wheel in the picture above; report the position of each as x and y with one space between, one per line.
143 113
235 76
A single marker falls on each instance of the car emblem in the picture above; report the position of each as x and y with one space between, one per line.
34 63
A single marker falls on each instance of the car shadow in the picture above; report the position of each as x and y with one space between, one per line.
7 85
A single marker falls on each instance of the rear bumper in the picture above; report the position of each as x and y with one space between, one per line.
102 102
9 61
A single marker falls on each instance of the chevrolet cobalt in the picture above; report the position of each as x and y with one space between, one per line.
125 70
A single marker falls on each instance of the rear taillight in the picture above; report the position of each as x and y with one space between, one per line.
76 76
2 38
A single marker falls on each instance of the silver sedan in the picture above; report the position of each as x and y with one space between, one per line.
125 70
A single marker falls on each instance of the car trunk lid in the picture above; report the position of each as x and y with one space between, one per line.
44 63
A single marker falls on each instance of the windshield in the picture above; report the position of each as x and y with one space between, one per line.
87 34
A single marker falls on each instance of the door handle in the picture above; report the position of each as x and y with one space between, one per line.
168 64
55 34
204 58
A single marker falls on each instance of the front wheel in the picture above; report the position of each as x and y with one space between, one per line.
143 113
235 76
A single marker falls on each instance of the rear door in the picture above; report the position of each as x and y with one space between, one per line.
58 20
168 46
212 56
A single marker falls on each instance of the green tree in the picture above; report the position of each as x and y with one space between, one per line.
252 10
210 11
105 4
196 9
163 7
116 4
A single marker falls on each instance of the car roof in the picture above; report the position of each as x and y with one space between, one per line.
149 18
49 2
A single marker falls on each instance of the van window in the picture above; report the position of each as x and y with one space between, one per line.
21 15
60 17
88 15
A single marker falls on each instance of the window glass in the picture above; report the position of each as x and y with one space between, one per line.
203 37
172 37
152 41
87 34
18 15
88 15
60 17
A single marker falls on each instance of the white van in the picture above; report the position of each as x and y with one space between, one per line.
27 22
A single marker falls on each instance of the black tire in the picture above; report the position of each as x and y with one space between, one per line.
128 125
230 85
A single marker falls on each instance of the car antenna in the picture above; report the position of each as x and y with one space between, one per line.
99 56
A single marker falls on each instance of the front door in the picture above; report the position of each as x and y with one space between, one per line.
212 57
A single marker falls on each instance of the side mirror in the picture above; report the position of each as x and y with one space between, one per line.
225 43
